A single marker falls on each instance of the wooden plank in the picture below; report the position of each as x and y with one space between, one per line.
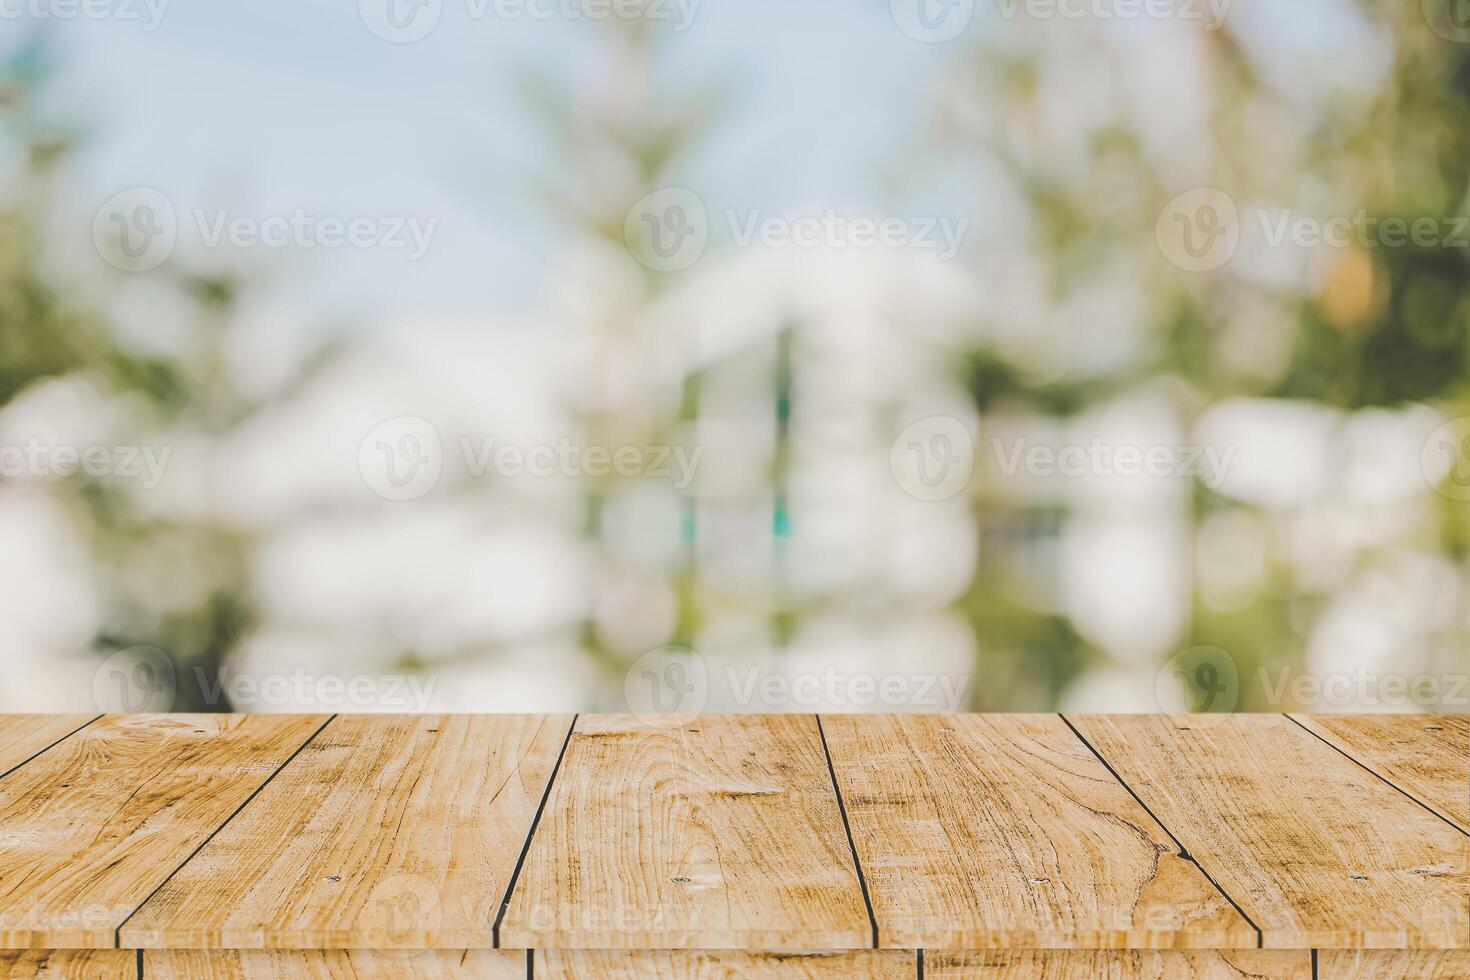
334 964
22 736
1235 964
69 964
387 832
1426 756
723 833
1377 964
989 831
569 964
90 828
1317 851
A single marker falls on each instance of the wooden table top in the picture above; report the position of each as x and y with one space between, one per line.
1000 845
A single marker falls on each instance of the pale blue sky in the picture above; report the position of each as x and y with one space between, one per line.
294 103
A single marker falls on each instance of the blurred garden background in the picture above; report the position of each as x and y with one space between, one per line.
857 355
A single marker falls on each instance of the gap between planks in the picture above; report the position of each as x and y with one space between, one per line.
515 874
117 933
1184 851
1374 772
837 789
857 863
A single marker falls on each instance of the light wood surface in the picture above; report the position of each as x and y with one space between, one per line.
1244 964
1359 964
91 827
564 964
723 833
252 964
726 836
393 832
68 964
1426 756
23 736
979 832
1315 850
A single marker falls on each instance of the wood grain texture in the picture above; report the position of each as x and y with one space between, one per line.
980 832
569 964
69 964
1426 756
1239 964
724 833
90 828
1317 851
334 964
396 832
22 736
1359 964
